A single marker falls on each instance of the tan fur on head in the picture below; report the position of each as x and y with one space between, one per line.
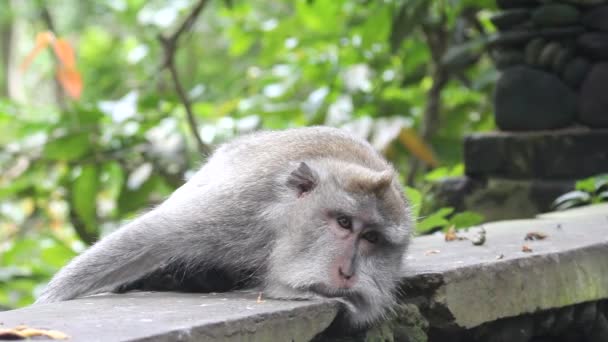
366 180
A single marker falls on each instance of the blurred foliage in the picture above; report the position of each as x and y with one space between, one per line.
441 219
74 170
587 191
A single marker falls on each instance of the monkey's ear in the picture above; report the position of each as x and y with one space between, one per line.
303 179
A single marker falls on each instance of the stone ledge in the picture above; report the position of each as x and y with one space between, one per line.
144 316
463 285
561 154
454 285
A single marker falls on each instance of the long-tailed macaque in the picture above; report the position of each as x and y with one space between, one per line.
308 212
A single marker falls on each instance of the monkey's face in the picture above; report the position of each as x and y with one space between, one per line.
344 240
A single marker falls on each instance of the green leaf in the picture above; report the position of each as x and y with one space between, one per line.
316 16
19 292
114 178
444 172
240 42
57 255
436 220
134 199
84 196
587 184
68 147
15 186
602 196
20 252
466 219
88 116
593 184
572 199
377 26
601 185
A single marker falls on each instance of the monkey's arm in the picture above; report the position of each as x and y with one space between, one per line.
199 225
125 255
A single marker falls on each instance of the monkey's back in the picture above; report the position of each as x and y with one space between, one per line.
278 148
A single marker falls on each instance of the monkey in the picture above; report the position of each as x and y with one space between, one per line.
309 212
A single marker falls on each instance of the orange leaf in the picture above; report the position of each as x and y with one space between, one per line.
22 332
70 81
417 146
42 41
65 53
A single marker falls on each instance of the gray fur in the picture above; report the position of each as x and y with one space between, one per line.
241 212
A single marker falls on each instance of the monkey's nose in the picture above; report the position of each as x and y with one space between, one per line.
346 275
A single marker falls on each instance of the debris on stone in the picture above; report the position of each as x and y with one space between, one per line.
22 332
526 249
451 235
432 251
531 236
480 238
500 256
260 300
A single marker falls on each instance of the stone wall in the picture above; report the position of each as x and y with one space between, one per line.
586 322
554 61
550 108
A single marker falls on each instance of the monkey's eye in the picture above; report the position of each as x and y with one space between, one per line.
345 222
371 237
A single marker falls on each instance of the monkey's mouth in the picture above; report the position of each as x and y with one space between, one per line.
352 296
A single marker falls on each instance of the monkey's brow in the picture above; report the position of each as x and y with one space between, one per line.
394 234
374 225
344 211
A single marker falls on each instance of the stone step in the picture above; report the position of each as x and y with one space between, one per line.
561 154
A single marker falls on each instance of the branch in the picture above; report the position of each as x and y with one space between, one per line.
202 147
169 45
79 226
437 40
6 44
187 24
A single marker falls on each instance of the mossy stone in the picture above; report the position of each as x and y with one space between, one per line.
555 14
548 54
510 18
562 58
575 72
504 58
596 18
529 99
593 100
595 45
533 50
